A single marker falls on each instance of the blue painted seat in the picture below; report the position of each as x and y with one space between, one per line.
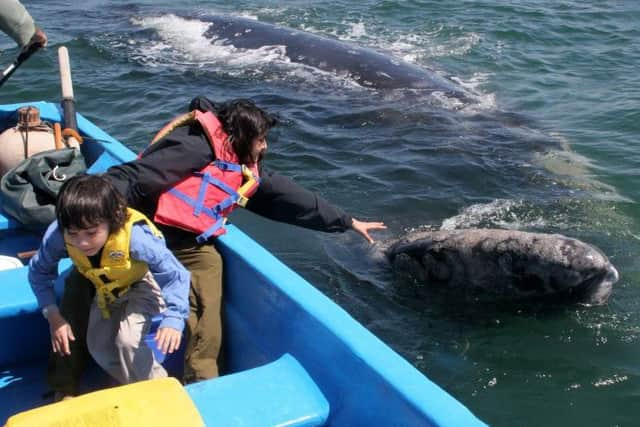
280 393
8 223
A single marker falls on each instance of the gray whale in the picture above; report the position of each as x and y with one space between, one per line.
512 265
366 66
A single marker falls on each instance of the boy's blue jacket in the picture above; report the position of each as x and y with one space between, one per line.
172 277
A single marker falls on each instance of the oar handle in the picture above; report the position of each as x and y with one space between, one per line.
23 56
68 102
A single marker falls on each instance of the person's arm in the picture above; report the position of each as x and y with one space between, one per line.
280 199
16 22
43 267
43 271
174 281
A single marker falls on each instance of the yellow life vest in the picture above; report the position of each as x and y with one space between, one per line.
117 271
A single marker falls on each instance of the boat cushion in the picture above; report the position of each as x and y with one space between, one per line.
280 393
159 402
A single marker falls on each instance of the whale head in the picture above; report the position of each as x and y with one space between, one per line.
505 265
588 274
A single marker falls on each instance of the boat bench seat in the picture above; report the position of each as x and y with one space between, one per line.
277 394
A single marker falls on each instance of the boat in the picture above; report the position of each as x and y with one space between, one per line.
292 356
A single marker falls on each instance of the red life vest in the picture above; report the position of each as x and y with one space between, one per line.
201 202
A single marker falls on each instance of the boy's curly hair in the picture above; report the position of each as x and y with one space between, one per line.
84 201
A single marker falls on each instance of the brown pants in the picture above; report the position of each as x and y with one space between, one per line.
204 327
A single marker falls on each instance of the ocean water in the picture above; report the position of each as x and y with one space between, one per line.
546 139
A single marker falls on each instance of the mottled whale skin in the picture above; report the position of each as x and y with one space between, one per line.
506 264
366 66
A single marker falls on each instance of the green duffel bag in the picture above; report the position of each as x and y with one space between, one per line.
28 191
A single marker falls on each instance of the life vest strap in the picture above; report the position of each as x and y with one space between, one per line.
215 212
211 212
202 238
228 166
101 302
209 179
202 193
198 204
223 205
105 291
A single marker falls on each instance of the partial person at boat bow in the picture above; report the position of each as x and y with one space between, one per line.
18 24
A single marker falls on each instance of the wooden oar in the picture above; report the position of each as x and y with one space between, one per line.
68 102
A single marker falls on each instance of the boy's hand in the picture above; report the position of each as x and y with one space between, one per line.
61 334
168 339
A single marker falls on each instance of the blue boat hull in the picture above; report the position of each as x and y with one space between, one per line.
270 313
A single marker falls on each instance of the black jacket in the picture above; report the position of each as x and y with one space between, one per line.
186 150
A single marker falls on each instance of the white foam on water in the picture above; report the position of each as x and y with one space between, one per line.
447 102
497 213
485 101
185 37
570 216
252 16
609 381
183 43
457 46
417 49
412 47
357 30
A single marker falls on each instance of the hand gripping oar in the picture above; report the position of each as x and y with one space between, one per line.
23 56
69 123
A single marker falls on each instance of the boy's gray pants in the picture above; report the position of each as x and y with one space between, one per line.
117 343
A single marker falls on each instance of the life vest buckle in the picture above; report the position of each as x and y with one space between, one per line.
247 173
242 200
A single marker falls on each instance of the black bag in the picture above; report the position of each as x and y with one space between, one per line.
28 191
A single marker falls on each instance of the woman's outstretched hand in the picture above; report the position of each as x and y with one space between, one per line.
363 228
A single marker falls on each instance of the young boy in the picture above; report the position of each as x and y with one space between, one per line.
135 277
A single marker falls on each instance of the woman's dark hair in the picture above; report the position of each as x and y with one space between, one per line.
87 200
243 121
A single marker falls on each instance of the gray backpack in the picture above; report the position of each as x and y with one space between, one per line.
28 191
